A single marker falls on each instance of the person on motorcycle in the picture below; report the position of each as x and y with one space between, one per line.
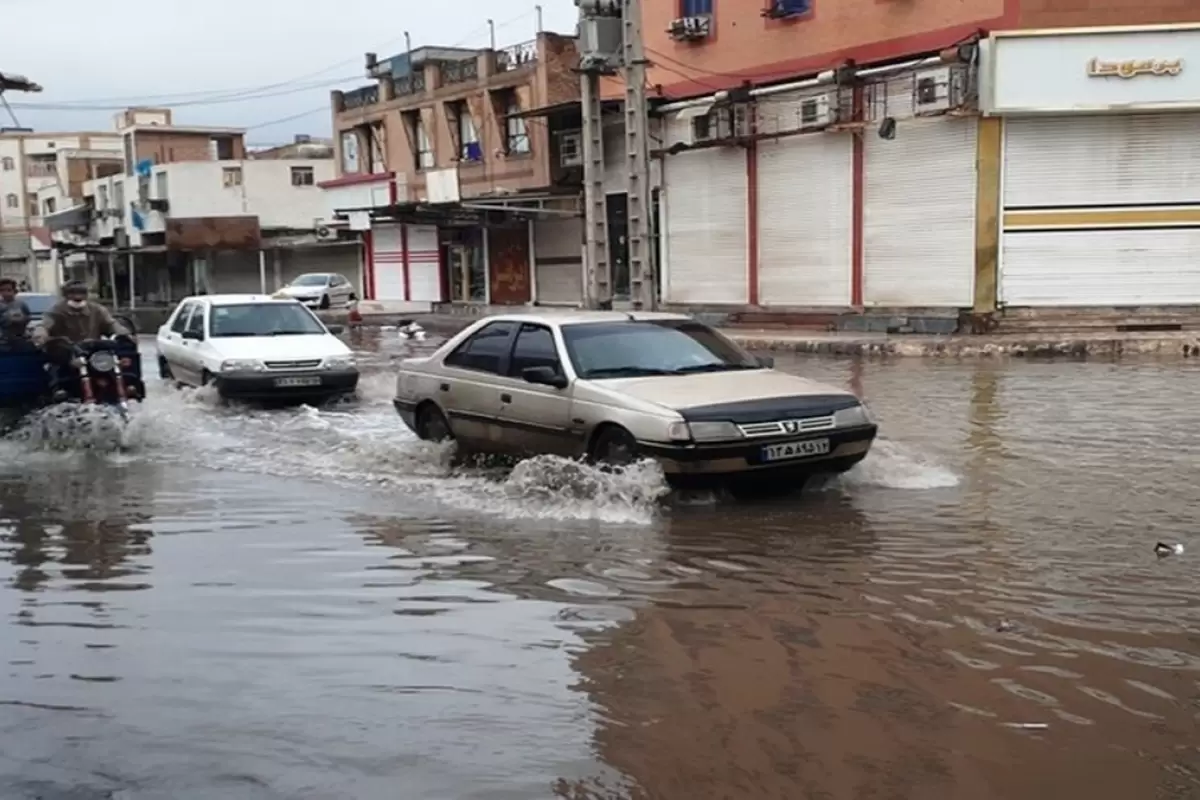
14 314
77 319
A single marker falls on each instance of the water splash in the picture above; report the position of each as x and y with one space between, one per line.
893 465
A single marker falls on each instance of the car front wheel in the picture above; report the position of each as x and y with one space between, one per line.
615 447
432 425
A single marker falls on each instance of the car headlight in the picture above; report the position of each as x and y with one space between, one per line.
853 416
102 361
242 365
714 431
339 362
679 432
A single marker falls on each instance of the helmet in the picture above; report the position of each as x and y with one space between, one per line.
74 287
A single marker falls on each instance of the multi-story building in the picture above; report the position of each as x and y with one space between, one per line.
39 172
188 211
462 196
824 159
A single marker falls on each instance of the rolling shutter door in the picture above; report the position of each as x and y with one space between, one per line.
424 264
1101 211
558 256
388 262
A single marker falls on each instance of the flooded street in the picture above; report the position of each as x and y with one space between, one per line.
303 604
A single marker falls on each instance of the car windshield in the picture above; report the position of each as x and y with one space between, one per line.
264 319
38 304
658 347
311 280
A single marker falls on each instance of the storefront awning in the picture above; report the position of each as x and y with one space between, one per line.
69 218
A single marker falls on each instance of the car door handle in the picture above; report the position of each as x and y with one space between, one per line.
506 398
445 387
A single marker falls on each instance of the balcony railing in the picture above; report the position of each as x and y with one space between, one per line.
463 71
413 83
517 56
41 169
361 97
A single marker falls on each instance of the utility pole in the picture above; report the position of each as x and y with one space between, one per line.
610 36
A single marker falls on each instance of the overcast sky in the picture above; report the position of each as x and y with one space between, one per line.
270 60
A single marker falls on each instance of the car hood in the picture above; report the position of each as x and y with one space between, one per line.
682 392
301 291
280 348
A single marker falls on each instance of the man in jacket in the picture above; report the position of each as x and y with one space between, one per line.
14 314
76 318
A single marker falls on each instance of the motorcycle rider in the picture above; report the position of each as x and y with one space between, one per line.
76 318
14 314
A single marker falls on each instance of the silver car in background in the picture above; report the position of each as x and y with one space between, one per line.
614 387
320 290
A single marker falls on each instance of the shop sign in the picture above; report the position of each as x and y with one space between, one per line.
1090 70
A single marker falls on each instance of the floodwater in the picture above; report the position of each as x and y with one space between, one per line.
303 604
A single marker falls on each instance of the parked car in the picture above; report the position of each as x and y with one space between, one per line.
614 387
320 290
255 347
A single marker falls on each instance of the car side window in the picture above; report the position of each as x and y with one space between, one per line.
534 347
485 350
338 280
179 324
196 323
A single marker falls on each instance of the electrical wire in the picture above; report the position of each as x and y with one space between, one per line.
193 103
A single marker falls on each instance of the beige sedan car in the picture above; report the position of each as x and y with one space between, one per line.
614 387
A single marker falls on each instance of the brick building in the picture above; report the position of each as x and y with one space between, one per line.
461 196
821 160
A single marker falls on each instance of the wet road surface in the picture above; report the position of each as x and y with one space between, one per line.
304 604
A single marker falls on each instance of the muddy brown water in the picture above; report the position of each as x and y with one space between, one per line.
306 604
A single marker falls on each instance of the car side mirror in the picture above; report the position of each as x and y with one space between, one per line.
193 335
336 330
544 376
766 362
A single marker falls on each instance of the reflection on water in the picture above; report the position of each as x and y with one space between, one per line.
310 604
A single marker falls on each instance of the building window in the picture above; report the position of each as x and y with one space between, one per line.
465 135
349 152
12 201
302 176
31 202
119 195
9 164
48 206
101 197
221 148
783 9
695 8
160 186
570 149
231 177
516 139
423 157
927 91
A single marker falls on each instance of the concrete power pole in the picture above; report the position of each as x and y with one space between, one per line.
610 36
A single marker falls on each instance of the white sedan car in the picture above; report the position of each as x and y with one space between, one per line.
320 290
255 347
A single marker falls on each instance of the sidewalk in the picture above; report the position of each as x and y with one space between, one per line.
781 340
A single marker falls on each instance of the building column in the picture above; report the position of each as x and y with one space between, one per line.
132 282
277 266
262 271
987 213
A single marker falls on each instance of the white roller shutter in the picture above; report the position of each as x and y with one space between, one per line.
558 255
919 213
1110 173
705 200
1143 159
424 264
805 211
387 260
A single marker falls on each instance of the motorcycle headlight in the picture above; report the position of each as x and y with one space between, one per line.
242 365
103 361
339 362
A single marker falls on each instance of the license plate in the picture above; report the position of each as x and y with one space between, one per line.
284 383
804 449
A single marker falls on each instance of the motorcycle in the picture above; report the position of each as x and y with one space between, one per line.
104 372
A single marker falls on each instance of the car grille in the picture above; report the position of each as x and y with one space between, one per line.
310 364
787 427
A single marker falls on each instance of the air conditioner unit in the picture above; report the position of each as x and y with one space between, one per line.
688 29
817 112
726 122
570 150
938 90
326 233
